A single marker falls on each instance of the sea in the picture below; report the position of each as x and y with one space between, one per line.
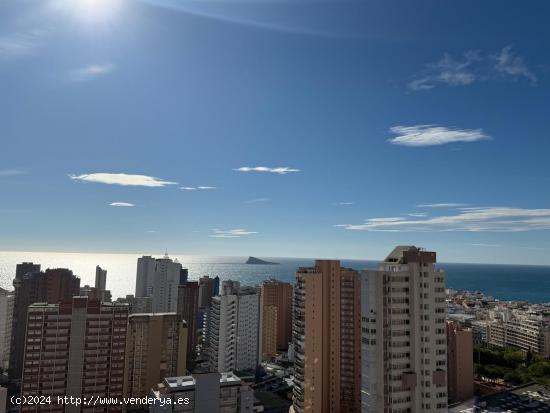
504 282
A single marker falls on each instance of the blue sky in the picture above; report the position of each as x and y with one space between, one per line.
276 128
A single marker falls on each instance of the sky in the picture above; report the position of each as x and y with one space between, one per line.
305 128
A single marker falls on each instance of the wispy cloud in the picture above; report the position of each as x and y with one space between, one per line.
344 203
152 231
473 66
478 219
20 43
432 135
122 179
281 170
195 188
256 200
12 172
418 214
487 245
121 204
231 233
508 64
442 205
90 72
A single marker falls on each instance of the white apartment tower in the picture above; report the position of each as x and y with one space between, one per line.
6 317
403 334
233 329
159 279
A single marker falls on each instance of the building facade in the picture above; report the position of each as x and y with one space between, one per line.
159 279
75 348
156 348
232 329
277 314
326 339
524 331
6 320
100 278
403 334
460 363
33 286
188 304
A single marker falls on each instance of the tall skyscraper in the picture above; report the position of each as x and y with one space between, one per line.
188 303
216 286
206 291
232 329
159 278
100 278
6 320
404 345
75 348
460 362
277 316
51 286
156 348
326 339
146 268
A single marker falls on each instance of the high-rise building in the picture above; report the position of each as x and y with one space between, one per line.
460 362
25 268
159 278
277 316
156 348
76 349
326 340
146 269
188 303
203 393
100 278
216 286
136 305
232 329
206 291
51 286
6 320
404 342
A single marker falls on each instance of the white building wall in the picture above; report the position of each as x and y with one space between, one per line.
6 317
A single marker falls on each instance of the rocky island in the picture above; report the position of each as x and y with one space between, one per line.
257 261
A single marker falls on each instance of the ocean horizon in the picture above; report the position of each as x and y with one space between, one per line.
502 281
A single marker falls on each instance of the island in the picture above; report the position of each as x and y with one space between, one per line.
257 261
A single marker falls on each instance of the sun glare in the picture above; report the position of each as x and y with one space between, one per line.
90 11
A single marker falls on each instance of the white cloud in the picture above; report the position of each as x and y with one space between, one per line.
231 233
514 66
473 66
121 204
194 188
281 170
256 200
19 44
478 219
431 135
442 205
487 245
122 179
11 172
152 231
345 203
91 72
447 71
418 214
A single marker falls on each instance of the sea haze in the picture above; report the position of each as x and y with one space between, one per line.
505 282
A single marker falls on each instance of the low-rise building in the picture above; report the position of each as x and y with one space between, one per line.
202 393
